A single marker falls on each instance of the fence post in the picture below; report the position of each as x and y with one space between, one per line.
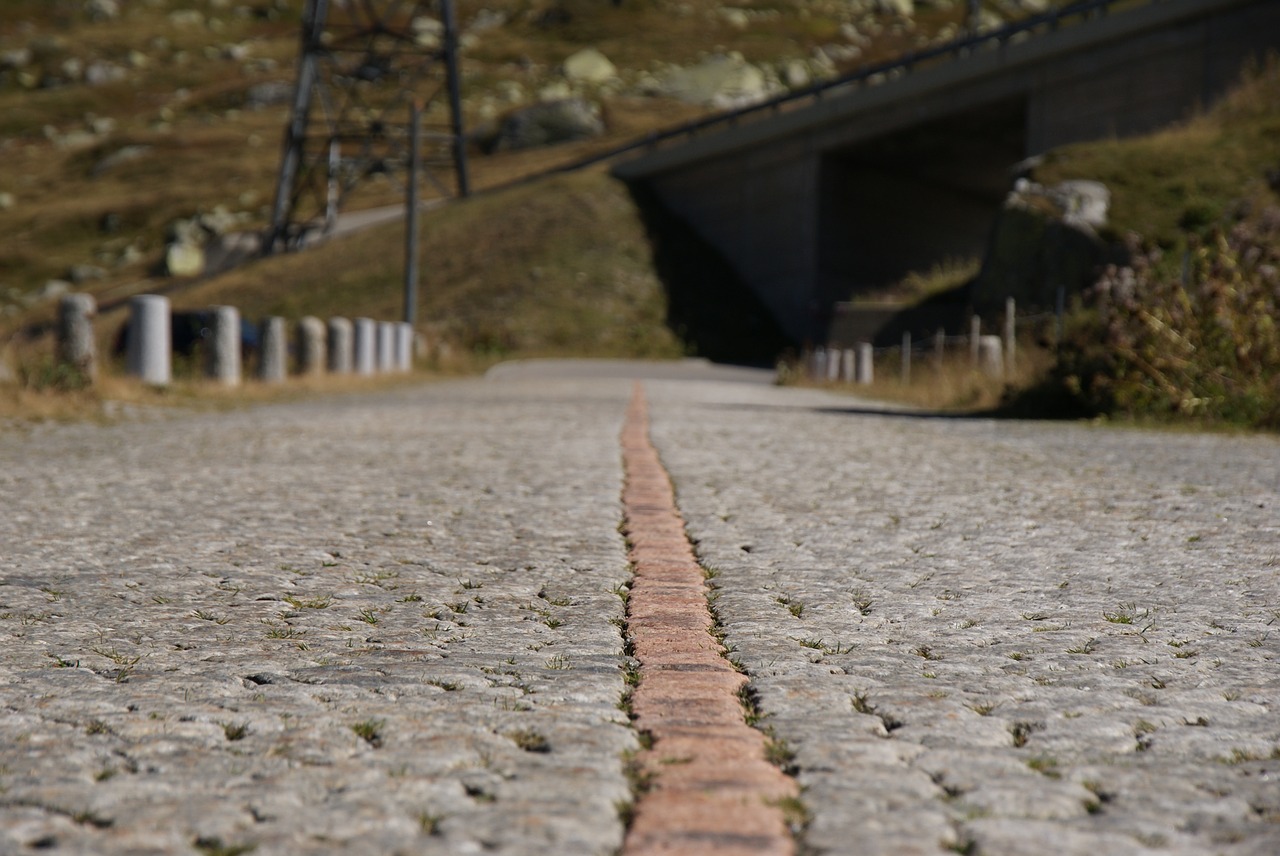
311 346
866 366
340 354
76 345
150 343
975 333
222 362
1010 335
273 350
939 347
366 346
833 363
906 358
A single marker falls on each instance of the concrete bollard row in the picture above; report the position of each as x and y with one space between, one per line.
340 346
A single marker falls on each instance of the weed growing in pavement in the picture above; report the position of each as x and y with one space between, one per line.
983 708
308 603
1021 732
213 846
370 731
1085 647
862 602
1045 766
235 730
558 663
369 616
1126 613
925 652
411 597
430 823
795 607
96 726
447 686
530 740
553 622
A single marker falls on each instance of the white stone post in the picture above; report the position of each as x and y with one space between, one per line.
223 358
833 364
404 347
150 345
366 346
311 346
386 346
340 352
975 333
1010 335
848 364
274 350
76 346
866 364
991 356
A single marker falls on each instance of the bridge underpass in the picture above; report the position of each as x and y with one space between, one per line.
824 202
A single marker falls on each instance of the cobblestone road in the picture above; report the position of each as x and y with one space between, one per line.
390 624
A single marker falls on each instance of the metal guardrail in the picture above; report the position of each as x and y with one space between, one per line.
865 75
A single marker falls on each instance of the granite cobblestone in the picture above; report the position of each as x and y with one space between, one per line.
995 637
383 624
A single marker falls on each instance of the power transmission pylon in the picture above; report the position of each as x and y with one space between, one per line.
362 63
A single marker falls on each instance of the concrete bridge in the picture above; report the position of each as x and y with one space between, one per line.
881 175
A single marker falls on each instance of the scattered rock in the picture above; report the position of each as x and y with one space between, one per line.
184 260
723 80
123 155
736 18
901 8
7 200
427 32
16 58
51 290
547 124
1045 238
102 10
589 66
186 18
272 93
80 274
100 72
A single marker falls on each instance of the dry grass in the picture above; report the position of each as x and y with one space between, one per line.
953 385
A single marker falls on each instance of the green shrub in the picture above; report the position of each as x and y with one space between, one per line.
1196 340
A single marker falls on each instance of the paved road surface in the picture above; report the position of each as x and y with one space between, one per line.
391 623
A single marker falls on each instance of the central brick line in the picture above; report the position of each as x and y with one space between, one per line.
710 788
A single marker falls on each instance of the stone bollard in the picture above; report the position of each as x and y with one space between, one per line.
222 362
818 364
311 346
149 350
386 347
404 347
365 346
866 363
848 365
274 350
76 346
991 356
833 364
340 353
975 334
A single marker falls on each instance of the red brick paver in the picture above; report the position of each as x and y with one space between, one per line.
711 789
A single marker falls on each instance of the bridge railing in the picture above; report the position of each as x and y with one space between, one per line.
870 74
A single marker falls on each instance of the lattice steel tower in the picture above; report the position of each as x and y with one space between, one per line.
362 64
